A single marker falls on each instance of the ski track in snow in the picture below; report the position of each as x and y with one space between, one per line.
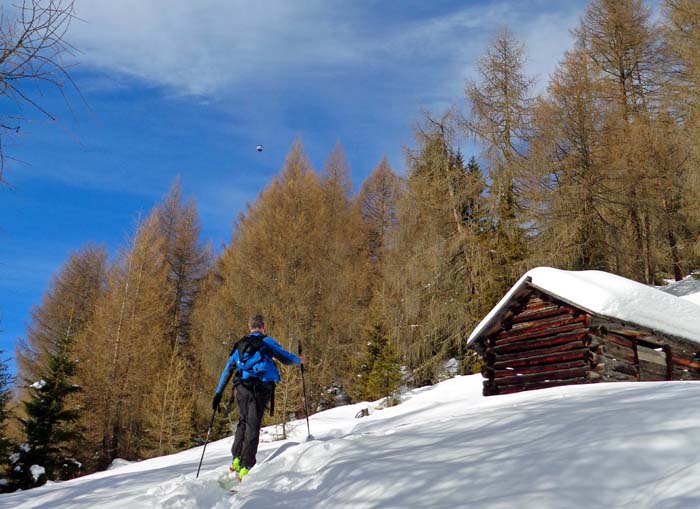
624 445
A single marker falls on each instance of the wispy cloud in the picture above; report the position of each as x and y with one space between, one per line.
206 47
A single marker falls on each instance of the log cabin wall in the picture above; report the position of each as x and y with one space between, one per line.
652 350
540 343
614 356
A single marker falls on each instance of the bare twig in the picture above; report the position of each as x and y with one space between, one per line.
32 47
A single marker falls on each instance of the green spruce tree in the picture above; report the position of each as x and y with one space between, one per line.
381 370
49 425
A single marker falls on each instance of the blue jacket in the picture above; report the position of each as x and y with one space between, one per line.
261 365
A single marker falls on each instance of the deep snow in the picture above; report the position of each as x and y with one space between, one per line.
624 445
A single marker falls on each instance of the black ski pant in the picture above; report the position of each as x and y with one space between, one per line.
252 398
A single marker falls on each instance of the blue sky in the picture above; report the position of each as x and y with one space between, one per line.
189 88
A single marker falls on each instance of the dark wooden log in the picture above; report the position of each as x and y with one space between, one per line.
615 351
541 329
567 356
564 374
541 314
502 373
685 363
489 389
534 307
533 325
548 341
612 367
570 342
620 340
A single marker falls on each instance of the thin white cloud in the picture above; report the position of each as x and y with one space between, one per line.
202 47
208 46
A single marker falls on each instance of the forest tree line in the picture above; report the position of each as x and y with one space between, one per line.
598 171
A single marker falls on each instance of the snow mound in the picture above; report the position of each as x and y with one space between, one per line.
37 471
187 492
118 463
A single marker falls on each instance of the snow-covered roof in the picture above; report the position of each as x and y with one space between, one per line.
693 297
687 286
608 295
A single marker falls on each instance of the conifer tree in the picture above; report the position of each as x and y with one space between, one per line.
125 348
67 308
378 199
681 31
438 273
187 260
49 353
500 119
380 370
174 388
569 187
345 297
50 426
297 256
624 45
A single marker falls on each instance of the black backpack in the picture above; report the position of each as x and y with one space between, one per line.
247 347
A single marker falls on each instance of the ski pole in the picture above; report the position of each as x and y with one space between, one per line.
206 441
306 411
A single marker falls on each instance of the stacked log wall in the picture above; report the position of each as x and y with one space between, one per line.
614 357
682 355
543 343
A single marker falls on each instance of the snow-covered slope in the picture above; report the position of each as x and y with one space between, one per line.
604 445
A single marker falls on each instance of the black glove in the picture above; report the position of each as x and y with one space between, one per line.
215 402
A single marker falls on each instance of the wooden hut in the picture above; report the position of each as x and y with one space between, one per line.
558 327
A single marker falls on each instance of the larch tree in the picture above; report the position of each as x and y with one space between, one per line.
377 200
345 296
568 189
437 273
125 347
67 308
171 403
270 267
619 37
186 258
499 118
681 31
50 353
